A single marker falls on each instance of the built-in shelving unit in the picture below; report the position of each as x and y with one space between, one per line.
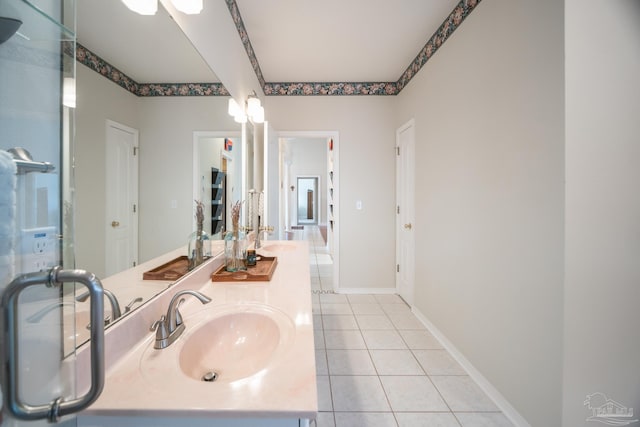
218 212
330 199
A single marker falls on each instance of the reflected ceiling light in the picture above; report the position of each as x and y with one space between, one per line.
143 7
69 92
190 7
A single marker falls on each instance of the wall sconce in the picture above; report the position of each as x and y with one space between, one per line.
150 7
254 110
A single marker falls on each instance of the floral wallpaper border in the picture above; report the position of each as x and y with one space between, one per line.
330 88
102 67
450 24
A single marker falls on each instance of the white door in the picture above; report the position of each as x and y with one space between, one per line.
405 218
121 249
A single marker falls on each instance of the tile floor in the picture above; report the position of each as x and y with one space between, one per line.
378 366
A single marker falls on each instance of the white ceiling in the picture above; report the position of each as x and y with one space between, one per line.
149 49
294 40
340 40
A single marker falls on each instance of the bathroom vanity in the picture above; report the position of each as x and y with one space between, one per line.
255 339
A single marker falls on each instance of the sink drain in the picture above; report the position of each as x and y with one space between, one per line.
210 377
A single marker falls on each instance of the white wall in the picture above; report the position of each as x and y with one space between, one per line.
488 111
602 292
98 99
367 138
166 128
166 166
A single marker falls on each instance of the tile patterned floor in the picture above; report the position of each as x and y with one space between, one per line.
378 366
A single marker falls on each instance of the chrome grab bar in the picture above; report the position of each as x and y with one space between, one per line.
59 407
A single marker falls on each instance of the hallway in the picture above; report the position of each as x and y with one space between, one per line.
377 365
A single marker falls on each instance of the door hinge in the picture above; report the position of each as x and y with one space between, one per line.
135 263
398 151
134 208
397 268
398 209
135 151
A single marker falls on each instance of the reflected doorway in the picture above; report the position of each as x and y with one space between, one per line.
307 201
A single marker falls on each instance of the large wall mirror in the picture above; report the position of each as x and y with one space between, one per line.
168 133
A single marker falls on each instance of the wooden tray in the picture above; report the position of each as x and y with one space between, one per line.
172 270
261 272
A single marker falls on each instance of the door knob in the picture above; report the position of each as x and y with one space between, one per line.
408 226
115 224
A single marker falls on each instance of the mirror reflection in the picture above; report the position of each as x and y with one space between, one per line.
158 146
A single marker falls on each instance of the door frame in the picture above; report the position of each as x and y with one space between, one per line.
334 248
135 169
405 208
195 186
316 200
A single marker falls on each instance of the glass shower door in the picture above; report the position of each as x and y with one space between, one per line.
37 69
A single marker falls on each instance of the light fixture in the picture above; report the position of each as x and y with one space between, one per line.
254 110
233 108
240 117
150 7
253 104
258 116
143 7
69 92
190 7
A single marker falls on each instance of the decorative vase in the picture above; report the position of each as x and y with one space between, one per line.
199 248
235 250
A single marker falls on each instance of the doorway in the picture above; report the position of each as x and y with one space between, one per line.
312 154
307 203
121 198
405 212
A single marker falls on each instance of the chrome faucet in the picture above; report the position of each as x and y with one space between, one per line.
115 307
170 327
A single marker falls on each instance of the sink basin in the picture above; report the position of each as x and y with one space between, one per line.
277 247
234 342
234 346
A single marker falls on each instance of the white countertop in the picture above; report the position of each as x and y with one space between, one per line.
286 389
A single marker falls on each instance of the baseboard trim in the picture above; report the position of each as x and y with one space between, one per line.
501 402
373 291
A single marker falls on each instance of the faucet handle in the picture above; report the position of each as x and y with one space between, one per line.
160 326
128 306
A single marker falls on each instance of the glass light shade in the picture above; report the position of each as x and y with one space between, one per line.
240 118
253 104
143 7
69 92
233 108
190 7
258 117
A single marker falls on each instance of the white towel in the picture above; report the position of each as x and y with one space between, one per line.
7 217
